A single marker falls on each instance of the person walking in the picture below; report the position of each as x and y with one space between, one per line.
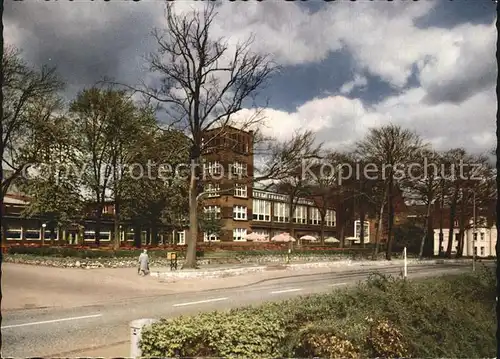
143 263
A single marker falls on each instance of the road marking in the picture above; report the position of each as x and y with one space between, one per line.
200 302
51 321
336 284
286 291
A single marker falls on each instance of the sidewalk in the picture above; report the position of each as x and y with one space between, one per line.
202 282
218 271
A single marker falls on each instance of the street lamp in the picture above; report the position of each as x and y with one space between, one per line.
43 233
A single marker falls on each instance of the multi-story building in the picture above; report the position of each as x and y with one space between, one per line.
227 180
228 174
482 240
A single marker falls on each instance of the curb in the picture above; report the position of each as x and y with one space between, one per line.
231 272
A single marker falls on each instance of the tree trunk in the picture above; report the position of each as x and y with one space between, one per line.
362 226
460 249
453 209
290 215
342 235
148 236
117 234
117 231
379 229
390 200
137 236
52 233
426 230
322 230
190 261
3 222
154 235
441 234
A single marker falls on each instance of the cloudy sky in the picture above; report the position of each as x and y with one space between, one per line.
427 65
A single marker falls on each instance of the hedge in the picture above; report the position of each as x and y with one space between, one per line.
449 316
124 252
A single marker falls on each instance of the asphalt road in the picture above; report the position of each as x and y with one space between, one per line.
55 332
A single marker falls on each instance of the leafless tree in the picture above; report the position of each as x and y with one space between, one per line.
389 147
421 186
293 158
204 83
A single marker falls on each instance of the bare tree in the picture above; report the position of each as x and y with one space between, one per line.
388 148
203 84
422 186
292 177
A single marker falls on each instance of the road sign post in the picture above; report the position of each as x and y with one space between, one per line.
405 263
136 327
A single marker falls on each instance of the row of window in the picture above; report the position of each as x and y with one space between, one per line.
213 190
481 236
262 212
482 250
215 168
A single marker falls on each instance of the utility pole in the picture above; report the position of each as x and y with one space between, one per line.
474 234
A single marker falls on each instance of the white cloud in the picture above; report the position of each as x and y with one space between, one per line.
456 68
340 121
357 81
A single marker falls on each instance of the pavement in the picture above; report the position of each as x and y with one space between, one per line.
54 312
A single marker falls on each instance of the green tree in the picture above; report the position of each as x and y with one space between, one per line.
52 183
160 196
28 101
108 123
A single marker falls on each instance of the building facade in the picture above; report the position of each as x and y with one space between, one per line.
481 241
226 175
228 184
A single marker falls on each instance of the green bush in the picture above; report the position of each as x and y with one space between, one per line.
449 316
81 253
238 333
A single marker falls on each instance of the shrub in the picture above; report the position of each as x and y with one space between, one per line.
219 334
449 316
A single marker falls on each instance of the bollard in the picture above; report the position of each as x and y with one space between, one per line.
136 327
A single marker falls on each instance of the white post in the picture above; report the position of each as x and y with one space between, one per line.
136 327
405 263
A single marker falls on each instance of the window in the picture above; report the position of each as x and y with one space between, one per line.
240 212
482 236
314 216
281 212
14 234
212 189
475 251
457 237
300 214
181 238
482 251
357 229
210 238
212 211
475 237
212 168
240 190
239 169
32 234
330 218
261 210
239 234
